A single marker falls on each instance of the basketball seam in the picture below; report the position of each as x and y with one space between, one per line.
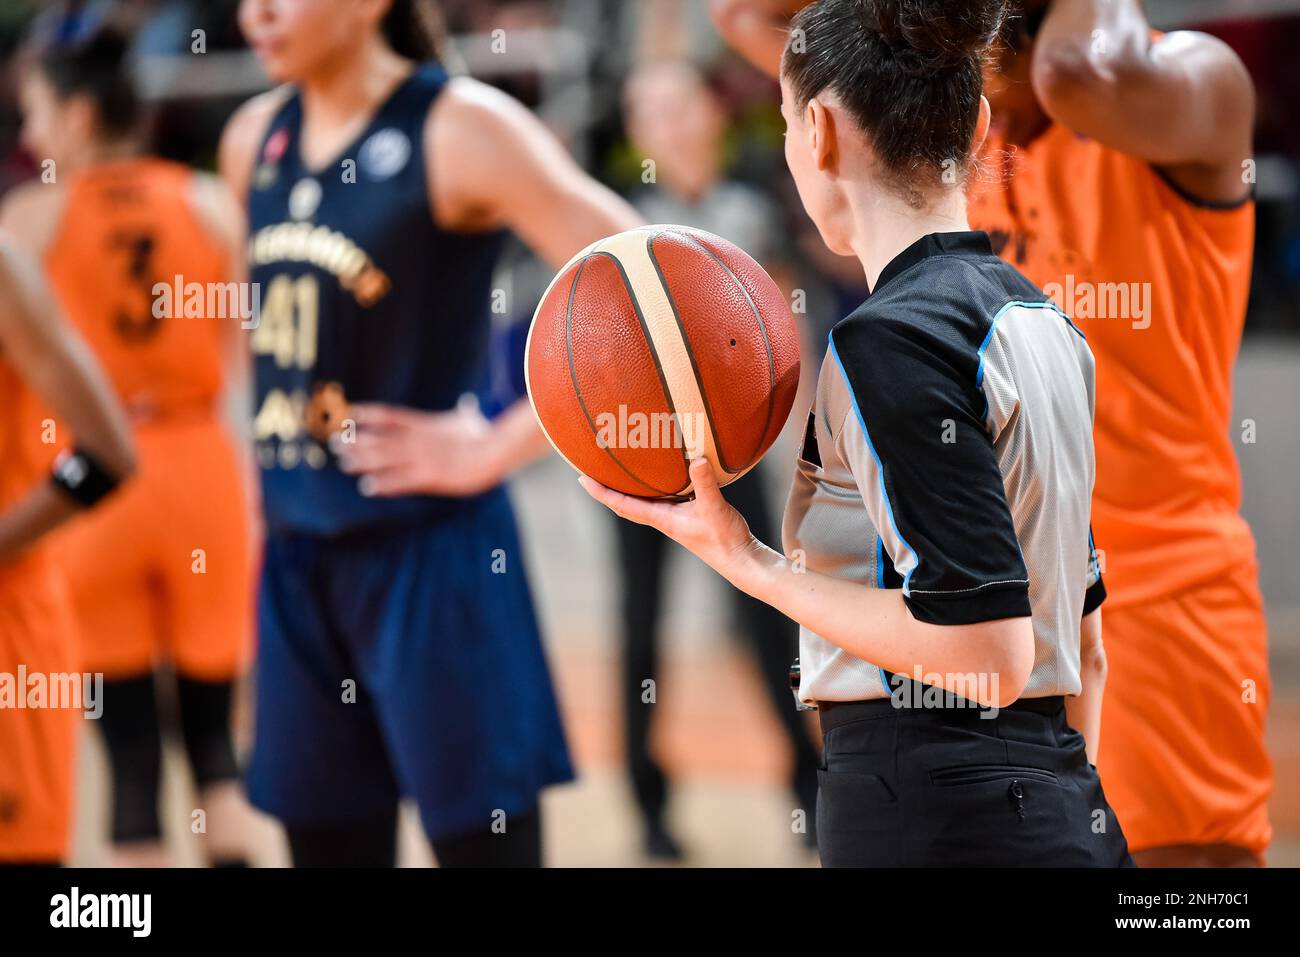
686 343
573 372
767 346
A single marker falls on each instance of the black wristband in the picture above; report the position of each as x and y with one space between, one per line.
78 475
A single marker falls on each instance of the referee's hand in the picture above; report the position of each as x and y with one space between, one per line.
707 526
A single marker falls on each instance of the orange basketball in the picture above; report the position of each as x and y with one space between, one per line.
658 345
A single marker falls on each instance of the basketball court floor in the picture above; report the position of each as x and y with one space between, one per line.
715 734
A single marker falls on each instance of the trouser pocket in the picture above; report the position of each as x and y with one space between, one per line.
995 815
857 820
984 773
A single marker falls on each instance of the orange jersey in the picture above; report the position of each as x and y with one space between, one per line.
37 745
1158 282
129 239
127 229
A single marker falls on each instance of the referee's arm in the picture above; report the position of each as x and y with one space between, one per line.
1083 710
944 519
986 631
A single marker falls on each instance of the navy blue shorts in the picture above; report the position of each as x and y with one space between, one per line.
403 663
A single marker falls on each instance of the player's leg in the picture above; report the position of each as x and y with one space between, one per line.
109 557
205 708
1183 754
38 746
132 737
642 557
365 842
207 576
774 640
319 762
440 622
516 842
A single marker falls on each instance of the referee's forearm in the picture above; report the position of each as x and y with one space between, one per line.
875 625
1083 710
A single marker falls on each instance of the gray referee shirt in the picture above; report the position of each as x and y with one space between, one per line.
949 455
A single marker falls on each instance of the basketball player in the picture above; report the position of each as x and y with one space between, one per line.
399 652
1127 167
40 355
1124 154
163 573
941 496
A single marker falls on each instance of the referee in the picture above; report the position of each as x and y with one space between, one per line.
941 565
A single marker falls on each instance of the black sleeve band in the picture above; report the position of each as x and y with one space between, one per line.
1094 596
985 604
80 476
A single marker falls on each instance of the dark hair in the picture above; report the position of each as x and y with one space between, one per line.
909 72
96 67
415 29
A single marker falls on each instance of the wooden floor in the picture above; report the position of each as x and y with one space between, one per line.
728 761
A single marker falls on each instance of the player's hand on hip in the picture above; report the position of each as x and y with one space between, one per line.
707 526
403 451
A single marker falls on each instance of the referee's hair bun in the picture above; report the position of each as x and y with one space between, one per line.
931 36
908 72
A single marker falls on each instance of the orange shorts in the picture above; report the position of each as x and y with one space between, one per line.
38 745
163 569
1182 755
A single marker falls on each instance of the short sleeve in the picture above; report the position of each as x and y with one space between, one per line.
913 434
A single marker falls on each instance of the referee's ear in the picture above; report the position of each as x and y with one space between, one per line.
820 124
981 125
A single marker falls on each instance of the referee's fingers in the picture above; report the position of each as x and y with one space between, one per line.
639 510
705 483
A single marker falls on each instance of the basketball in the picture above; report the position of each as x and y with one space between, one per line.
658 345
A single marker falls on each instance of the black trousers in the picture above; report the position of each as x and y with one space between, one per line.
773 639
943 787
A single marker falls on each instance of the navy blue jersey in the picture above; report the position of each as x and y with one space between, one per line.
363 299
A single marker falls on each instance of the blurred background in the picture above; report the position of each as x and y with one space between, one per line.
712 125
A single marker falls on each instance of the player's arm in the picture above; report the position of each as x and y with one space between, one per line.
491 164
1083 710
222 217
756 29
509 170
1183 101
31 214
60 369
